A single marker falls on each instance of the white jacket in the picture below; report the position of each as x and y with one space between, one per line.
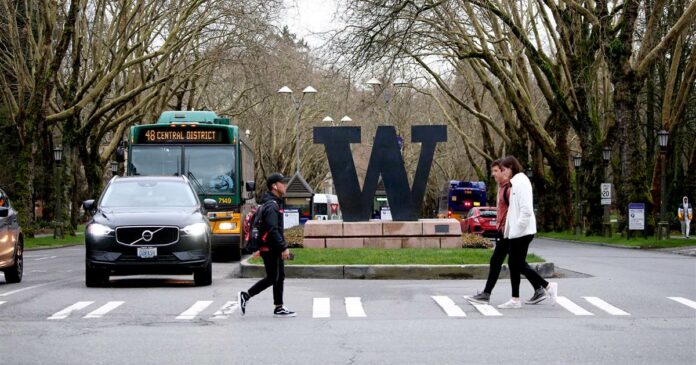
520 216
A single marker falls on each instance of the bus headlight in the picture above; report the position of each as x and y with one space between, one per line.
227 226
99 230
196 229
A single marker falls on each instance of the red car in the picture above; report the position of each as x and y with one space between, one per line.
480 220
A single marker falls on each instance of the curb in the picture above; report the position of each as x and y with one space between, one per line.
52 247
389 272
596 243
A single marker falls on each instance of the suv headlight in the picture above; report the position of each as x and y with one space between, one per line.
99 230
196 229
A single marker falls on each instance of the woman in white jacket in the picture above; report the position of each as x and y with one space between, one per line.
520 228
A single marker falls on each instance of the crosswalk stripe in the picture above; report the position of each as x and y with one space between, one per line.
354 307
321 308
684 301
448 305
195 309
486 309
606 306
67 311
572 307
225 311
101 311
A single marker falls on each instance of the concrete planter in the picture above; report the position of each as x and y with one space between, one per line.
385 272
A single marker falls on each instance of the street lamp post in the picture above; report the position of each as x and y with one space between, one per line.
577 162
114 168
663 226
297 103
377 85
58 226
606 156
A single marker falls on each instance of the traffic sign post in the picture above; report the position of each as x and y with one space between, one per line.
605 193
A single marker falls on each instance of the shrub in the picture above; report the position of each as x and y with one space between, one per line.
475 241
295 237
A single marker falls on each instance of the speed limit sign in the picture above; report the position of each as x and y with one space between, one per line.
606 193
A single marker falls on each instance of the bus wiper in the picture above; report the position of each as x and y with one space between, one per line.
195 181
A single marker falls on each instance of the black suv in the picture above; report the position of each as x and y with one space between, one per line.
11 242
148 225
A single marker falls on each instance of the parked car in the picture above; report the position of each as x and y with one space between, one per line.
148 225
11 242
480 220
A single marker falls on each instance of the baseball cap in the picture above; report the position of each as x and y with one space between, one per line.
274 178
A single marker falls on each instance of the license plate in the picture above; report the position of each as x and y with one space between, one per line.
147 252
493 222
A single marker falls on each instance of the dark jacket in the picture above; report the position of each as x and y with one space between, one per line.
272 223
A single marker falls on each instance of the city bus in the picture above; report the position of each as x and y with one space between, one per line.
213 155
458 197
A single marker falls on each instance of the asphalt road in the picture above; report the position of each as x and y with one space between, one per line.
617 309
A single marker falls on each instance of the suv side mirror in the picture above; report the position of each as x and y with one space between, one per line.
89 205
209 204
4 212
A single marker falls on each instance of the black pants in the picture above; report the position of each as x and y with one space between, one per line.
518 265
502 247
275 275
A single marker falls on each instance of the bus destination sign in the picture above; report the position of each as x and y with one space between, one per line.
182 136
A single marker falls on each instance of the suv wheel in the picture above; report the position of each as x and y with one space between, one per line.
95 277
13 274
204 277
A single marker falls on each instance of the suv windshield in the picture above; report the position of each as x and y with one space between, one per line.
148 194
211 168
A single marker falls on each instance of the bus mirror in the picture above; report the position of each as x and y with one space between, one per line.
120 154
251 186
209 204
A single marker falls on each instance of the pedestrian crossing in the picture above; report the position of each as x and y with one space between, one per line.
352 307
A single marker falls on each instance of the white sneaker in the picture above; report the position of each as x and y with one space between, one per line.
511 304
552 289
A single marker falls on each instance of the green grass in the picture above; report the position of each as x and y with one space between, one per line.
404 256
650 242
47 242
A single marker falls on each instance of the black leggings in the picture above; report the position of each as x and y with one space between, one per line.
502 247
518 264
275 275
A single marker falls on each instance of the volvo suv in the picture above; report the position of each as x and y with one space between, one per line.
148 225
11 242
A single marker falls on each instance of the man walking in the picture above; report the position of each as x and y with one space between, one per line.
273 248
685 214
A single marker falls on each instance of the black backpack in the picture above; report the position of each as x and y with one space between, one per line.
255 237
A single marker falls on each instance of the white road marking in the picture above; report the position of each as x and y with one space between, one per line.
572 307
486 309
606 306
67 311
195 309
354 307
23 289
321 308
448 305
686 302
1 303
45 258
226 310
101 311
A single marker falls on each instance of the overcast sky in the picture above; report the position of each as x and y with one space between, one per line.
304 17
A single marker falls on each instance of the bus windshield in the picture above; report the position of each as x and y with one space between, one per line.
156 160
211 168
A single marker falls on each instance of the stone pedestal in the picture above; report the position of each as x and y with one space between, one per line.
425 233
